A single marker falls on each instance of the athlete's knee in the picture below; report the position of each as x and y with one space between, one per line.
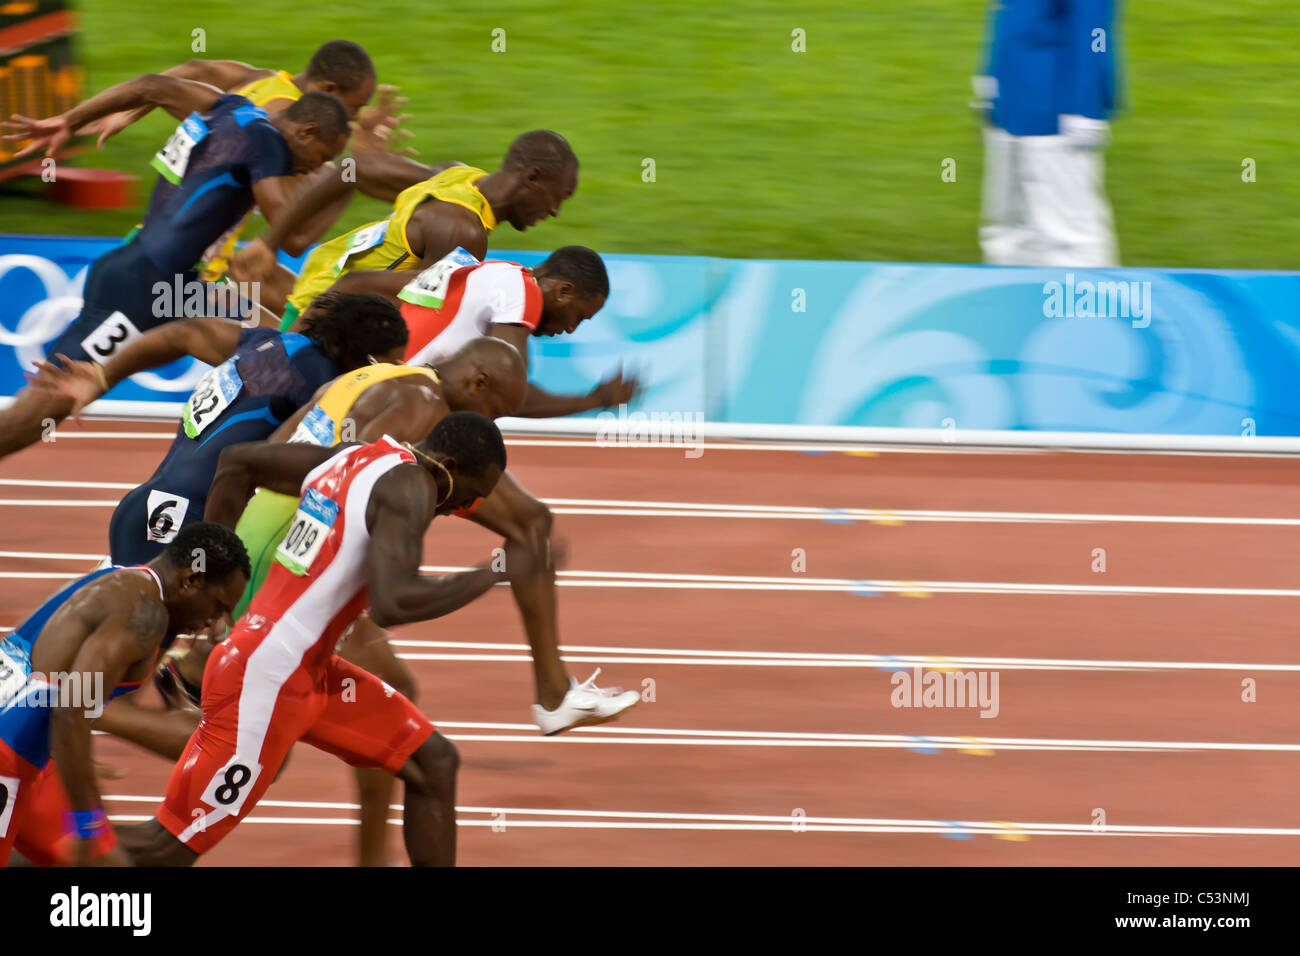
438 760
537 518
152 844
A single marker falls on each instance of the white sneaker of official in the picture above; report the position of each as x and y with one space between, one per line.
1044 203
583 705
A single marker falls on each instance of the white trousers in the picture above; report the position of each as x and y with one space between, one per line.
1044 203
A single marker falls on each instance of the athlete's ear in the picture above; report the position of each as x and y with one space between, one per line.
565 292
308 132
327 86
191 580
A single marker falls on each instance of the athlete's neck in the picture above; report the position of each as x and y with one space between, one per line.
496 188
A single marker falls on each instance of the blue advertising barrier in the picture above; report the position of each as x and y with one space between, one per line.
1127 351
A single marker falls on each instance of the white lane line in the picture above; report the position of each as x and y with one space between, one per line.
667 736
687 655
678 447
42 483
681 509
594 506
622 819
736 582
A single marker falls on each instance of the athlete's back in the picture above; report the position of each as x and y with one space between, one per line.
268 378
207 171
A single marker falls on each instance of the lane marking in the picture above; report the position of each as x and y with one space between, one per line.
729 821
666 736
680 509
737 582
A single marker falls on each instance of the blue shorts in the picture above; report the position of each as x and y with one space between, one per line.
126 295
147 519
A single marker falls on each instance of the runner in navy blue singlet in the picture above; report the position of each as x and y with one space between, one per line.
224 157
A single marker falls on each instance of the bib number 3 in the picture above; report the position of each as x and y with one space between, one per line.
310 527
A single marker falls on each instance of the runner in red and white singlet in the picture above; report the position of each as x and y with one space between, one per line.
355 542
458 299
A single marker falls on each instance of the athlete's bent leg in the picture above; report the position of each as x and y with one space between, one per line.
429 817
366 645
525 522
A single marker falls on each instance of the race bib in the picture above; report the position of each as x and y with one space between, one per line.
174 158
362 240
231 784
8 797
166 515
215 392
12 676
311 526
316 428
111 334
429 288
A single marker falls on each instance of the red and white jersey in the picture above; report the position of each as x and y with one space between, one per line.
458 299
317 583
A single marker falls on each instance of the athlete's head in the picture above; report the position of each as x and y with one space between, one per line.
544 172
574 287
486 375
470 447
316 129
352 330
204 571
343 68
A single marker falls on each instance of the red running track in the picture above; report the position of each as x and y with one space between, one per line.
750 754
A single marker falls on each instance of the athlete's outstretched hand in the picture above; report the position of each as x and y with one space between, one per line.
376 128
80 381
618 389
48 134
109 125
255 262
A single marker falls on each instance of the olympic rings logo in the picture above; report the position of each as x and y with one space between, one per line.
47 318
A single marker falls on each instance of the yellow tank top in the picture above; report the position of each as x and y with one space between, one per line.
383 245
324 424
277 86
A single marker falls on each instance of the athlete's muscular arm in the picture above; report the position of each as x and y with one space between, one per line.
243 468
402 409
430 236
208 340
223 74
177 96
276 195
539 403
128 633
401 507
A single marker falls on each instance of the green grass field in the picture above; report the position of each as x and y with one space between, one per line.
834 153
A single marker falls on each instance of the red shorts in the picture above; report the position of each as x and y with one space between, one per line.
252 716
32 807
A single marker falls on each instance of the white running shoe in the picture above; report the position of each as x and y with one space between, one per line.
583 705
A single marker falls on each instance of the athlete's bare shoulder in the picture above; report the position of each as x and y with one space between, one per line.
437 227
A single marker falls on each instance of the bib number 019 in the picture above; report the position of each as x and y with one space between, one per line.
310 527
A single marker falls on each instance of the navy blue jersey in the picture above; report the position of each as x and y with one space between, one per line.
268 378
220 155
